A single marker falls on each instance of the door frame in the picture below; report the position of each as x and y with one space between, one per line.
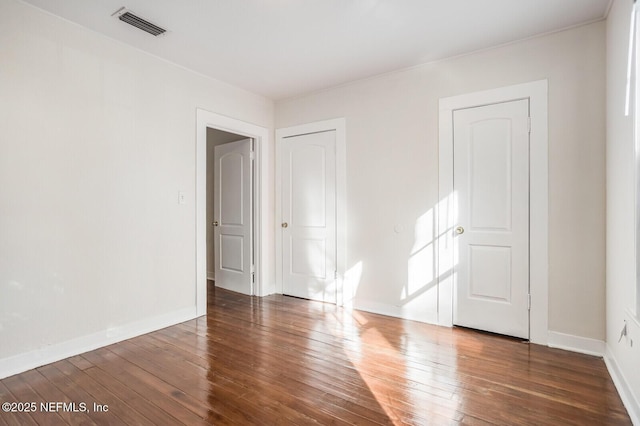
261 237
537 93
339 125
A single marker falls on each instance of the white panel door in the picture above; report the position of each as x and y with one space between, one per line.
232 204
491 187
309 216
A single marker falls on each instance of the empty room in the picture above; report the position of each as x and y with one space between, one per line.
319 212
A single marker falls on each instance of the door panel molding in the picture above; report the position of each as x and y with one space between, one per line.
344 294
233 211
309 209
491 183
536 93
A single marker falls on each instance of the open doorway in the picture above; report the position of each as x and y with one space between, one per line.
230 201
262 202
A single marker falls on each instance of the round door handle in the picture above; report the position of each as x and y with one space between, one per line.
459 230
285 224
215 223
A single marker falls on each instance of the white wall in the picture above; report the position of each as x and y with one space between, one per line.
96 140
623 360
392 171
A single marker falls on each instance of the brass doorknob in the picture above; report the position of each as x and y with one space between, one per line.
459 230
285 224
215 223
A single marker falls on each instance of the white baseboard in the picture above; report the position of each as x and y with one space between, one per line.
394 311
629 400
211 276
46 355
569 342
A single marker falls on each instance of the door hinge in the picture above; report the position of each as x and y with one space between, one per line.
335 275
253 278
528 301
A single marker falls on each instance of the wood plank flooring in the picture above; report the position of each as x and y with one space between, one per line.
282 360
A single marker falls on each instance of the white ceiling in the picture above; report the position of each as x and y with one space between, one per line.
284 48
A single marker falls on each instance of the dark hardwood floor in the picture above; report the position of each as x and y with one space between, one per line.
282 360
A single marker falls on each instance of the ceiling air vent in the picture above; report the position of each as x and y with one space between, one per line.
127 16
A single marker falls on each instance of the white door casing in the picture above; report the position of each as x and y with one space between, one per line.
537 93
491 198
233 222
309 263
